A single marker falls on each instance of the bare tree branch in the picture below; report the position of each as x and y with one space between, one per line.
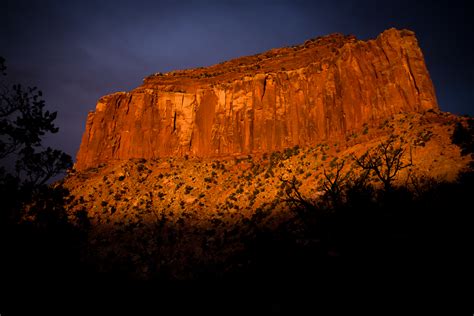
385 161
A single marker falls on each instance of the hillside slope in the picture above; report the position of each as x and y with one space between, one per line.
201 205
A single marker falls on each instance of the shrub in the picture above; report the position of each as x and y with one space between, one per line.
188 189
463 137
366 129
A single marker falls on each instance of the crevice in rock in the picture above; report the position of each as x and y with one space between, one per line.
174 122
410 71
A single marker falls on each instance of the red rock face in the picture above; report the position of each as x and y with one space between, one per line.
298 95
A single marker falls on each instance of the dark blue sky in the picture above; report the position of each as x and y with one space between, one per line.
76 52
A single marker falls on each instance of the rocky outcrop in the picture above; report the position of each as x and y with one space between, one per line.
299 95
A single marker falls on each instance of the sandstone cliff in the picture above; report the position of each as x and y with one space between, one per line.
299 95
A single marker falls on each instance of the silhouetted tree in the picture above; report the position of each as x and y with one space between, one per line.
463 136
384 161
26 166
3 68
334 183
38 242
293 196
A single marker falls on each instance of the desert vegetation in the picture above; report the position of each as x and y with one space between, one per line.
388 194
38 240
379 196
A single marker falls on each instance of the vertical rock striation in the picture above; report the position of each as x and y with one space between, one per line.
299 95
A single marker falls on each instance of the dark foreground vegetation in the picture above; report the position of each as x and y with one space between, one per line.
378 242
372 243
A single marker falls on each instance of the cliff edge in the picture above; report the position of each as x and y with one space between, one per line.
299 95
